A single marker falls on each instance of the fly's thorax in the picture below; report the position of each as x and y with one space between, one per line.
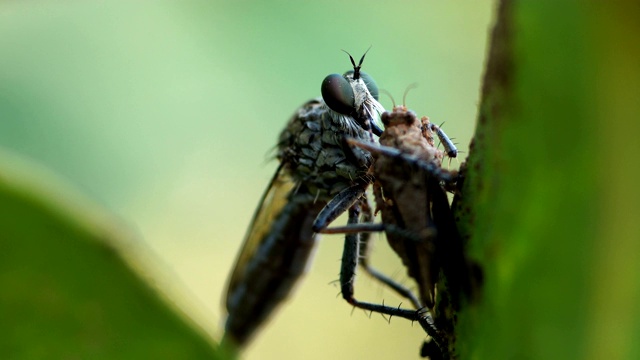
312 147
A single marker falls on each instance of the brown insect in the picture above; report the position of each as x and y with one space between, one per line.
416 216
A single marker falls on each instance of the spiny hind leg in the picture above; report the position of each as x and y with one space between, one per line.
363 261
358 228
354 200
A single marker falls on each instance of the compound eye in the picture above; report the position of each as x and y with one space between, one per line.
371 85
338 94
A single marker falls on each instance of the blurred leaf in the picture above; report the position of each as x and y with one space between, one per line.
552 200
66 292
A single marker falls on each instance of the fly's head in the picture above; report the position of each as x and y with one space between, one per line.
353 98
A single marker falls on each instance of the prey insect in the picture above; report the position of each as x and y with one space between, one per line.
316 165
415 211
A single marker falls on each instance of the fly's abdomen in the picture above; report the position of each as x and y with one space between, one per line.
281 257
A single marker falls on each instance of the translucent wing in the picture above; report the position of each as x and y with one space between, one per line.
273 201
276 252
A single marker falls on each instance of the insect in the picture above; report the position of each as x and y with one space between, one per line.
416 215
316 165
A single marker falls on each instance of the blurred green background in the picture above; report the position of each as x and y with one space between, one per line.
165 113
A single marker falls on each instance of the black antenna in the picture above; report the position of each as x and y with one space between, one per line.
356 68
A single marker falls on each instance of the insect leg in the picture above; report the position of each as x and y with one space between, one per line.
355 247
429 167
363 260
449 146
337 206
350 255
349 199
364 228
424 316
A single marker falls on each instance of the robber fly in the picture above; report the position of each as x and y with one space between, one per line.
316 165
416 216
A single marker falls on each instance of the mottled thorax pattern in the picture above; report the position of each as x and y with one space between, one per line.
312 145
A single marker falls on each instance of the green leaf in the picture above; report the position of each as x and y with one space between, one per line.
551 195
66 292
